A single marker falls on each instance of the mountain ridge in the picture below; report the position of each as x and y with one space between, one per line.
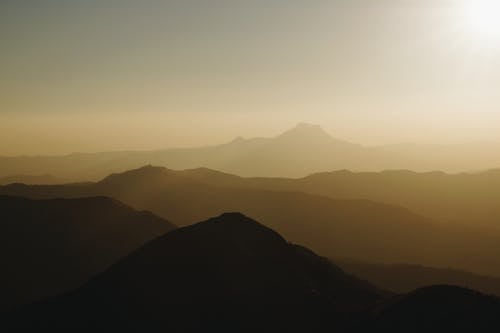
297 152
54 245
360 229
231 273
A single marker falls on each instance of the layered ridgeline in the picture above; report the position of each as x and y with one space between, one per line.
298 152
403 278
358 229
51 246
27 179
231 274
466 198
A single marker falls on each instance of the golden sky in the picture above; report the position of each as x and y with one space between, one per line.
103 75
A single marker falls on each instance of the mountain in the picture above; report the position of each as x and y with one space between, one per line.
300 151
359 229
232 274
403 278
30 179
467 198
439 309
51 246
226 274
455 198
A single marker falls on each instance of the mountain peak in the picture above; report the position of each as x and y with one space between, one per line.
307 126
306 131
235 224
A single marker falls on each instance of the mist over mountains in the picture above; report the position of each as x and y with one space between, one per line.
78 259
156 175
349 228
298 152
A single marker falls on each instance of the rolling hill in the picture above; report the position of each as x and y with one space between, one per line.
402 278
358 229
51 246
231 274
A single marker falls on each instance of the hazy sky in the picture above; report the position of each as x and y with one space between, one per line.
95 75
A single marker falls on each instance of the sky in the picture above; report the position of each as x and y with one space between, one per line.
101 75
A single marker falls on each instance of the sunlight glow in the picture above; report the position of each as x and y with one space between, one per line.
483 16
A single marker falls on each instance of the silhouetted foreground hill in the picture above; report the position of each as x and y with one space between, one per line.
297 152
51 246
231 274
403 278
439 309
358 229
226 274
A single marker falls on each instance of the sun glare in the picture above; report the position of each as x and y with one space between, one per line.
483 17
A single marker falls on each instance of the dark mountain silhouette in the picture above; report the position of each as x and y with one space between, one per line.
467 198
439 309
51 246
358 229
401 278
227 274
27 179
231 274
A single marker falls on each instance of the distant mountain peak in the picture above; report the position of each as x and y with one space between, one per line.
308 126
306 131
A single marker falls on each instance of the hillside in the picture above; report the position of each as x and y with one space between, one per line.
225 274
51 246
402 278
358 229
231 274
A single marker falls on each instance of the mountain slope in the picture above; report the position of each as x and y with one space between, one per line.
231 274
439 309
227 274
299 151
358 229
403 278
27 179
455 198
50 246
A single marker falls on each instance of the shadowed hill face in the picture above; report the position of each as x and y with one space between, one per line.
225 274
50 246
439 309
358 229
231 274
